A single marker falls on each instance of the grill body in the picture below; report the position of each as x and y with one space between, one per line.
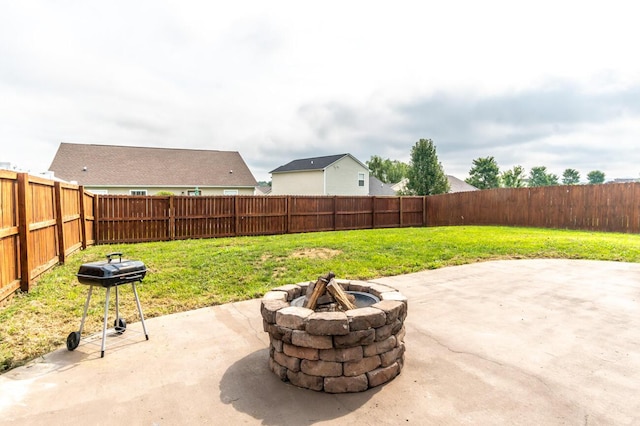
109 273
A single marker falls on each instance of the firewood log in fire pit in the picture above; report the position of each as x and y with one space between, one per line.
327 284
340 295
318 290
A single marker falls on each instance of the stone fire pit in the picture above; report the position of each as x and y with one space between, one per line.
336 350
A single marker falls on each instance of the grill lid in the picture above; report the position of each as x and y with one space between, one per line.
110 272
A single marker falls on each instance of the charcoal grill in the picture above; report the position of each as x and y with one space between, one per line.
107 274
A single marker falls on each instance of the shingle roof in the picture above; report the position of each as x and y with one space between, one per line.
314 163
458 185
455 185
377 187
106 165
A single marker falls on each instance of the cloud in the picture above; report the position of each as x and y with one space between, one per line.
559 125
538 85
555 124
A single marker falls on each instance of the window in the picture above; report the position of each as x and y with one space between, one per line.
138 192
360 179
230 192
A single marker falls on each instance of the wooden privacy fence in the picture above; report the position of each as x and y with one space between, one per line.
41 222
603 208
131 219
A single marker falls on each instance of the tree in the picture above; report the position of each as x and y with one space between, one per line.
376 167
570 177
397 170
388 171
484 174
539 177
513 178
595 177
425 175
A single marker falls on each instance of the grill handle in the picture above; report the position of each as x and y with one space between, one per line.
115 253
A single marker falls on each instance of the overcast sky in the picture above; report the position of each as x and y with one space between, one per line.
544 83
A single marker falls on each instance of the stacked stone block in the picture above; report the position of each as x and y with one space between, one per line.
335 352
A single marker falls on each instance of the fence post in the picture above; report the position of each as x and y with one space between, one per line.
172 218
24 206
401 212
373 212
287 206
96 218
83 218
335 211
424 210
57 198
635 190
529 207
235 213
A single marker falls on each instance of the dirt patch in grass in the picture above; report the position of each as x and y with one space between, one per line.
279 272
315 253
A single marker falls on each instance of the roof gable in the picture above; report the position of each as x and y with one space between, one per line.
377 187
455 185
313 163
458 185
105 165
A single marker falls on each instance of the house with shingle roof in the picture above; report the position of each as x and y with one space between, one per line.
132 170
341 174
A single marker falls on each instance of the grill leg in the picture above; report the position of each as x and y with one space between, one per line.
135 293
86 307
117 303
104 324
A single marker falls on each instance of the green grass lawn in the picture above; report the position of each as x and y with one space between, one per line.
184 275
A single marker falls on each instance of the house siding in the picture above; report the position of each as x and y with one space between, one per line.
342 178
298 183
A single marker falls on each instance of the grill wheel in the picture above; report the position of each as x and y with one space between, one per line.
73 340
120 325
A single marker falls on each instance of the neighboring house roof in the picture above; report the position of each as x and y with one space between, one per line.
377 187
263 190
457 185
5 165
107 165
624 180
314 163
400 186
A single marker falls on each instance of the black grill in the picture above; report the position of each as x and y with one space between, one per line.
109 273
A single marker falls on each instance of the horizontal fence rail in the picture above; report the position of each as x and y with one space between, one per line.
132 219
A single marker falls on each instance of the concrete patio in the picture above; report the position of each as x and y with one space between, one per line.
526 342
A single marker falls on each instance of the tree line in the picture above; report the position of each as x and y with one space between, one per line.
425 176
485 174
